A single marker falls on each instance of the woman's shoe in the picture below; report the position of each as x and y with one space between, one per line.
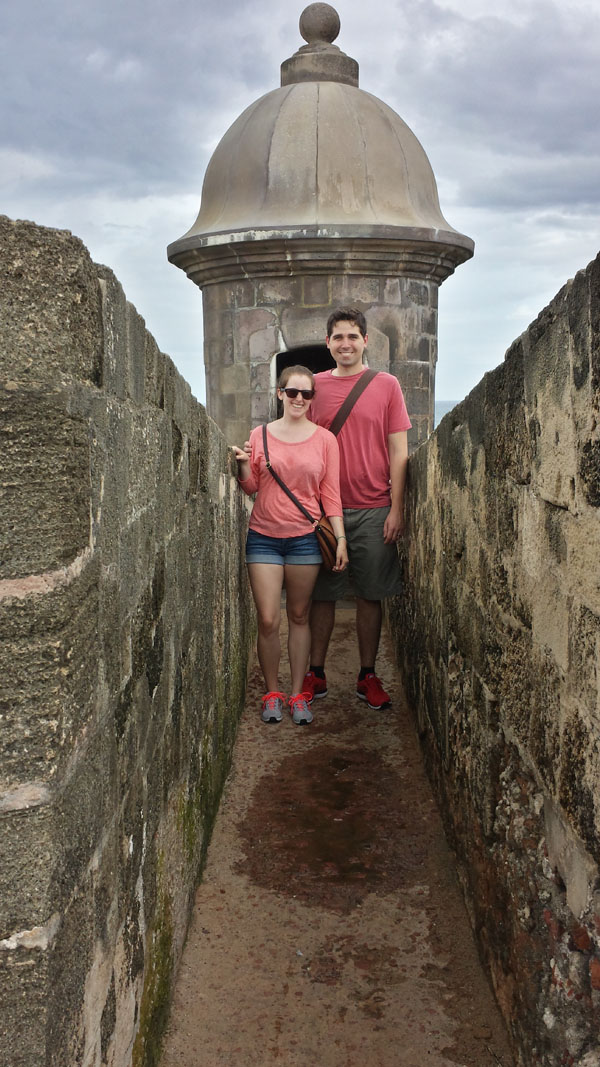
299 709
272 707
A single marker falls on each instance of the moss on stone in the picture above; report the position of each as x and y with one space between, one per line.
197 806
156 995
189 819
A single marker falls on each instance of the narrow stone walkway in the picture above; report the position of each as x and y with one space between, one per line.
330 929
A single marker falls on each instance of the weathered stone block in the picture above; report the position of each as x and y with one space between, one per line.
316 291
589 470
419 432
260 377
414 376
566 852
27 846
235 379
177 396
154 363
24 981
69 966
136 355
48 680
302 326
114 321
392 293
84 808
264 344
50 303
271 292
351 290
420 402
584 657
44 482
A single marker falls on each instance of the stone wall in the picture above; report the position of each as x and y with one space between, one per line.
124 637
499 642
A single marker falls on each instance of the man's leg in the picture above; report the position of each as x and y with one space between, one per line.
368 630
322 620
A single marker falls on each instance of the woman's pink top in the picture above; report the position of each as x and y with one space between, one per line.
311 469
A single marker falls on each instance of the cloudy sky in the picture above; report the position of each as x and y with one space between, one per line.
111 110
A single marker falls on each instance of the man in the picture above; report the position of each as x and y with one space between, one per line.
373 464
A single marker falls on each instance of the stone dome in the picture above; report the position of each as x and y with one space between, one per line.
319 156
315 154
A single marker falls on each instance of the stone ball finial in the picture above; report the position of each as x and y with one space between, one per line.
319 24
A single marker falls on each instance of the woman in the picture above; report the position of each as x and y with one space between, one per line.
282 549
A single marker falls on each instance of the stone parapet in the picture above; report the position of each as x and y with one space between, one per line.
125 625
499 641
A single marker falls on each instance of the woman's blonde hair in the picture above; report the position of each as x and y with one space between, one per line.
287 372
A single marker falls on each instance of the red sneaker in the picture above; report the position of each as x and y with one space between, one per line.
371 690
314 687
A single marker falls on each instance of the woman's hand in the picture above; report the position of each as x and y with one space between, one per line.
243 460
341 555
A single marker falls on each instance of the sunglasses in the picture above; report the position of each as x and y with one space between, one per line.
307 394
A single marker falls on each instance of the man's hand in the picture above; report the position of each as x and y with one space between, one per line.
393 527
247 448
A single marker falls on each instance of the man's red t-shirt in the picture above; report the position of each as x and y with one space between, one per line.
363 439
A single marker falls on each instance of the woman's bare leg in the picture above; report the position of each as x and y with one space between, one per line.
299 583
266 582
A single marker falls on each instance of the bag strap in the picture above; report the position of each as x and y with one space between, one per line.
345 408
280 482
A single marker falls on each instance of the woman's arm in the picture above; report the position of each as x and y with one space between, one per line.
341 556
329 487
331 500
246 478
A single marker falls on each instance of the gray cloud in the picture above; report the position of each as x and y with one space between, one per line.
111 111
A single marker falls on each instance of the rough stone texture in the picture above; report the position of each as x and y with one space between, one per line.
124 638
499 642
250 327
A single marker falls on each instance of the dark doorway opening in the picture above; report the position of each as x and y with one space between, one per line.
315 357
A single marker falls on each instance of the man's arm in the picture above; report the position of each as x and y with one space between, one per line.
398 452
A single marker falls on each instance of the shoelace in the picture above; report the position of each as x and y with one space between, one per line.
270 698
305 697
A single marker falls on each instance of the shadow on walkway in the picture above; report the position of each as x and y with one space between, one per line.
330 929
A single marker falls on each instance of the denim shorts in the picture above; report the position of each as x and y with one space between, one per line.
282 550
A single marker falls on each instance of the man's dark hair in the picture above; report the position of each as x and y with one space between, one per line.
352 315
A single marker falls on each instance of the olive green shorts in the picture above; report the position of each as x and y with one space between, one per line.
374 570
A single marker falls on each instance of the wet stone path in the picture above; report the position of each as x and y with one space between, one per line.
329 928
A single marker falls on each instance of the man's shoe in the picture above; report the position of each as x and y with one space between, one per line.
371 690
299 709
272 707
314 687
